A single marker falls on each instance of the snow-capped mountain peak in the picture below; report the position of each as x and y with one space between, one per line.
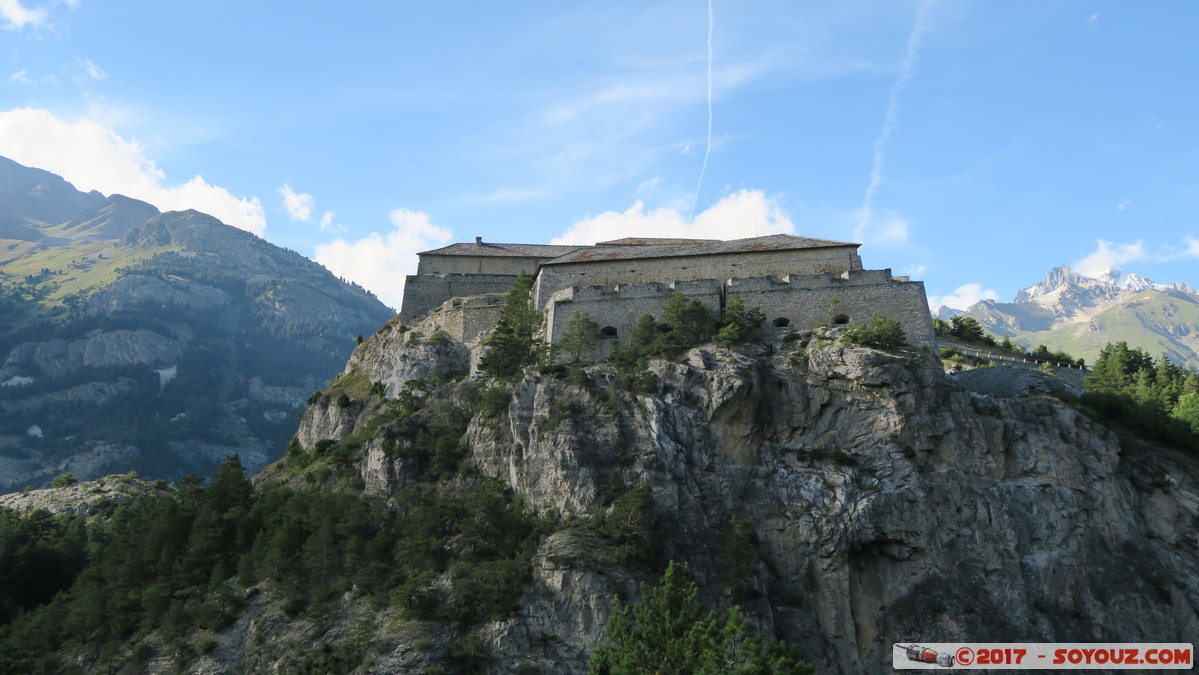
1059 275
1136 282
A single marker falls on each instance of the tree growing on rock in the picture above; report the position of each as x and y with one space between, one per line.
582 335
740 325
880 333
513 345
668 631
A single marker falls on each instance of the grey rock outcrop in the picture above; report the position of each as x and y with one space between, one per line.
96 350
887 503
394 356
90 498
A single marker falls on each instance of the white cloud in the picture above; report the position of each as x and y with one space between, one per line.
17 15
327 225
1123 204
90 69
380 262
649 186
916 270
1108 255
1192 249
747 213
299 204
94 157
963 297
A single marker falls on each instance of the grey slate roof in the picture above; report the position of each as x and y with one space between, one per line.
650 241
488 249
774 242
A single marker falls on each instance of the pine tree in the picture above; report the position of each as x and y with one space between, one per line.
668 631
582 335
740 324
512 345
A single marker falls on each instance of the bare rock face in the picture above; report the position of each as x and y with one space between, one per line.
395 355
96 350
885 503
94 497
128 293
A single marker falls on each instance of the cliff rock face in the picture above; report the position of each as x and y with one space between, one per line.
885 501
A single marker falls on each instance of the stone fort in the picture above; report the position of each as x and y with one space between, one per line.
796 281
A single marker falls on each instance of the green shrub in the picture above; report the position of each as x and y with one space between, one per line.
629 523
65 480
880 333
739 324
581 336
439 338
668 631
562 409
494 402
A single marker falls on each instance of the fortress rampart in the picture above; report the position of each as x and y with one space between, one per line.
617 310
465 319
602 272
851 299
800 301
424 293
795 281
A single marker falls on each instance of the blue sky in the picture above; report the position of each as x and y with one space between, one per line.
973 145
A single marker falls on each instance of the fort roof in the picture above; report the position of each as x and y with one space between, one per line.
674 248
493 250
650 241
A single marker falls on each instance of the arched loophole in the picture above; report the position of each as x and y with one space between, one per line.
840 320
608 332
781 322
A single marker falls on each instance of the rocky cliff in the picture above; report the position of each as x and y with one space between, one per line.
845 498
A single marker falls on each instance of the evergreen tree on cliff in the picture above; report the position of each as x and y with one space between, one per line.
668 631
512 345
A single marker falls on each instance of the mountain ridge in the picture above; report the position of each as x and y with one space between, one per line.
1079 314
175 338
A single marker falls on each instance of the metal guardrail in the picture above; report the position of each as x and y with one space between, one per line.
1014 359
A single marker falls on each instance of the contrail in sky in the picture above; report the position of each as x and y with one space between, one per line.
906 70
708 147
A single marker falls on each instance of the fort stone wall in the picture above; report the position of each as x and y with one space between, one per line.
800 301
616 310
423 294
810 261
464 319
850 300
468 264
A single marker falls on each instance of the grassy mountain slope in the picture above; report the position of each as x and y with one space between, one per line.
1078 314
133 339
1160 322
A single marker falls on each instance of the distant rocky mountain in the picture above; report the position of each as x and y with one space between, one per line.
157 342
1079 314
945 312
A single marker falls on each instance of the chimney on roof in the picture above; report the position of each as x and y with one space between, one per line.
478 241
